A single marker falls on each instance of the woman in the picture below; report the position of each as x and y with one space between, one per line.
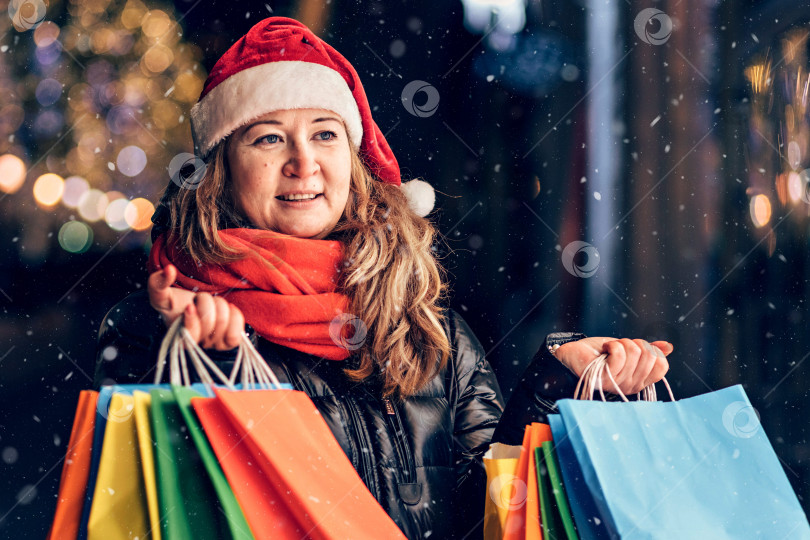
300 228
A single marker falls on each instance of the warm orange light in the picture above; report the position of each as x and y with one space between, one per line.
48 189
156 23
760 210
138 214
12 173
158 58
759 75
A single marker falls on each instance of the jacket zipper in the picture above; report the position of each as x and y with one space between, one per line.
401 445
366 467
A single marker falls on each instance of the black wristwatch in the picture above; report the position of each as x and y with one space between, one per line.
557 339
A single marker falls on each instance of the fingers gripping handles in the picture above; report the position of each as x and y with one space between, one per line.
591 380
178 349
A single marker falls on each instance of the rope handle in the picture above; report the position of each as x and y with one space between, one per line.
178 348
591 380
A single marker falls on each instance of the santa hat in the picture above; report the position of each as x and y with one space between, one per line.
280 64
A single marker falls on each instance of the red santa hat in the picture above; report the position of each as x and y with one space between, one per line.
280 64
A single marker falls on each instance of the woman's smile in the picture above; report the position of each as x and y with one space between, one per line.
290 171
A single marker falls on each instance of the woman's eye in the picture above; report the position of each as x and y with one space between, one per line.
268 139
326 135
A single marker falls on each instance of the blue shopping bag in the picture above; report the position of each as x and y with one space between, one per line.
583 508
701 467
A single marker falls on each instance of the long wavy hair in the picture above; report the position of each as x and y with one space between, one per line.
392 278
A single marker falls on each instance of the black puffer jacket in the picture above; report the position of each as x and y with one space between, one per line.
421 459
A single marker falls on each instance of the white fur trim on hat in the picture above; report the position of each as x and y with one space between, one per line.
421 196
274 86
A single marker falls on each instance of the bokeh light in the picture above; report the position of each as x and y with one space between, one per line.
48 123
48 92
795 186
138 214
48 189
75 237
12 173
46 34
93 205
131 160
114 214
75 187
760 210
48 55
158 58
156 23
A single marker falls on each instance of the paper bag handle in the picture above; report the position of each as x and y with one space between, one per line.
591 380
178 347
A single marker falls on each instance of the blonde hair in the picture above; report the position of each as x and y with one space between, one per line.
393 281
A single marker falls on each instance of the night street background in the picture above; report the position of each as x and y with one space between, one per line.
676 158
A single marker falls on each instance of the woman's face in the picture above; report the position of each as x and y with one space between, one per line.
290 171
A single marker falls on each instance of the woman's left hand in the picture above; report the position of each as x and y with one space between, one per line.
634 363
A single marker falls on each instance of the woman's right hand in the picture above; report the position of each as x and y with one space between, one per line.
212 321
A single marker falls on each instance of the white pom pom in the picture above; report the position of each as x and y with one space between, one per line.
421 197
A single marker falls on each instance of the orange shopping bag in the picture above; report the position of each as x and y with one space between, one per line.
76 470
523 521
264 509
296 458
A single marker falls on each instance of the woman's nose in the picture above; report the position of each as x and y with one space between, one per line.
301 161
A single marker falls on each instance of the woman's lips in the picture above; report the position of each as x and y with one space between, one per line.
301 203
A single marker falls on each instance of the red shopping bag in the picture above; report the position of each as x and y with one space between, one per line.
75 470
264 509
301 463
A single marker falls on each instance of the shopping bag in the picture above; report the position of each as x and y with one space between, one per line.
582 505
549 521
99 425
503 487
143 404
194 498
701 467
556 524
298 453
75 471
119 501
188 503
560 501
232 514
523 521
260 500
131 476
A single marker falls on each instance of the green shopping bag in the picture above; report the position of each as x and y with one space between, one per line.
194 498
558 490
189 507
556 517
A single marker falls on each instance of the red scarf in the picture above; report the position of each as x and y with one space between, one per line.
290 301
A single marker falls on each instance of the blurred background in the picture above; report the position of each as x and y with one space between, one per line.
617 167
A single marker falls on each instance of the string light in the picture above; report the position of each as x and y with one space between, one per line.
107 99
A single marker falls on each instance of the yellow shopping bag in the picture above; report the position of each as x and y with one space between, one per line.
143 402
119 507
501 462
